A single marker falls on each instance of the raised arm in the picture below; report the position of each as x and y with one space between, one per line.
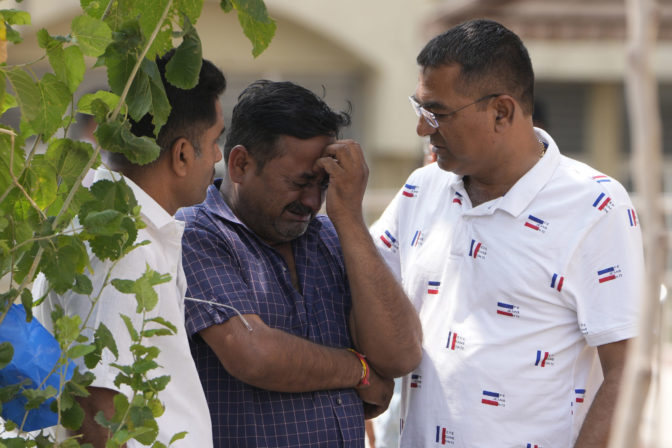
384 324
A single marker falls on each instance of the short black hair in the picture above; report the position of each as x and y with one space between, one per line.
267 110
491 57
192 111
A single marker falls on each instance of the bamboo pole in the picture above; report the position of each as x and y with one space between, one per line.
646 143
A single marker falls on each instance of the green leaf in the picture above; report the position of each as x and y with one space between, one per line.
82 285
160 106
93 35
15 17
94 8
18 159
125 286
27 302
178 436
259 33
85 104
184 67
72 417
66 329
226 6
27 93
44 40
107 222
77 351
104 337
120 56
62 259
129 326
68 64
68 158
156 332
39 180
117 137
151 13
191 8
35 397
8 102
164 322
6 354
54 100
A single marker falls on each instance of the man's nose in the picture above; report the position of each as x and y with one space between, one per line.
312 196
423 129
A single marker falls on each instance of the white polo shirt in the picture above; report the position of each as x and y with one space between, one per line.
514 295
185 406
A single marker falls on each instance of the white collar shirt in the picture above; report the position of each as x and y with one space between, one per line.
186 408
514 295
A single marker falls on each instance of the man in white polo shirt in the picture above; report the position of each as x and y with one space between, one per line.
177 178
524 265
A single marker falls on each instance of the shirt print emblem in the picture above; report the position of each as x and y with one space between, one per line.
457 199
416 381
580 394
418 239
390 241
603 203
632 217
537 224
477 249
601 178
557 282
410 191
455 342
433 287
493 398
608 274
543 359
444 436
530 445
507 309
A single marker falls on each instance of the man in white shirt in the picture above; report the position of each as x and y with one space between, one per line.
178 178
525 266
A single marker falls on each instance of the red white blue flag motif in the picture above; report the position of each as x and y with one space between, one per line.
608 274
557 281
632 217
433 287
602 202
410 191
601 178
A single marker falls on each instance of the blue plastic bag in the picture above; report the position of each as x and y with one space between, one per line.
36 352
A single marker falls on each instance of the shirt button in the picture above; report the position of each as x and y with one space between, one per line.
339 401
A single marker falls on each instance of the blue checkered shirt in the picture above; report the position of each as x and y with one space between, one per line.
225 262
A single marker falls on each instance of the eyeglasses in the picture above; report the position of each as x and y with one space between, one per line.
432 119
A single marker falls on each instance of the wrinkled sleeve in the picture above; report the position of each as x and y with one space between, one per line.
213 273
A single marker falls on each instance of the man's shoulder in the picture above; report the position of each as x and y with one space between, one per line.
587 181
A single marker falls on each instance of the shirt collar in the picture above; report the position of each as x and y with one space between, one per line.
150 210
517 199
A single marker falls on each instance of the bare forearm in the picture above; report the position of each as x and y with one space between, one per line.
100 399
275 360
597 425
384 324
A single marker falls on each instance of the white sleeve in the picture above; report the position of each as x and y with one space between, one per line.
607 273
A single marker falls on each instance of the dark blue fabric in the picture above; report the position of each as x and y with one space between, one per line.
226 263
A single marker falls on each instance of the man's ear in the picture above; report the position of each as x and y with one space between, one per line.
504 108
239 164
182 155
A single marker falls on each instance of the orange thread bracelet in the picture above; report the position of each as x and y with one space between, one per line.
364 380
